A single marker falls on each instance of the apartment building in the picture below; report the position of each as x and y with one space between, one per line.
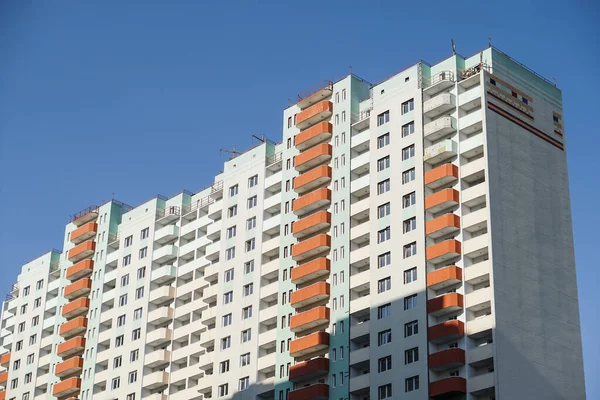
407 239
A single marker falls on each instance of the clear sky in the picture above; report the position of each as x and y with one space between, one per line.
137 99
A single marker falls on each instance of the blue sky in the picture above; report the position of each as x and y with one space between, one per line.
103 97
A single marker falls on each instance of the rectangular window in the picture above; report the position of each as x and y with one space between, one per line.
137 314
249 267
383 140
409 225
126 260
245 359
134 355
246 335
252 202
139 293
122 300
246 312
383 163
230 253
119 340
244 383
253 181
384 364
384 235
116 382
229 275
125 280
410 250
227 320
232 211
408 200
143 252
251 223
128 241
233 190
384 311
250 244
384 337
411 384
144 233
411 328
408 152
39 284
383 285
223 390
230 232
121 320
228 297
224 366
410 302
410 275
383 210
408 129
117 362
383 118
225 342
136 334
384 259
411 355
384 392
408 176
248 289
141 273
132 378
383 186
408 106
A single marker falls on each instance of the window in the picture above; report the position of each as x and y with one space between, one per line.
39 284
128 241
14 383
408 106
411 384
408 176
408 129
343 116
249 267
383 210
30 358
32 340
122 300
411 355
143 252
253 181
225 342
233 190
384 337
409 199
492 81
383 163
230 253
384 392
525 101
227 319
383 118
246 312
410 250
250 244
126 260
223 390
228 297
139 293
384 311
117 362
383 285
411 328
27 380
245 359
384 364
141 273
116 382
125 280
131 396
121 320
16 365
383 235
252 202
408 152
230 232
246 335
248 289
229 275
19 345
119 340
383 186
132 378
343 94
555 118
145 233
289 141
134 355
410 302
410 275
232 211
409 225
37 302
136 334
251 223
383 140
224 366
384 259
23 308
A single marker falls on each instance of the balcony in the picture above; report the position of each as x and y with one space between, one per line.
76 308
69 367
445 304
440 176
480 356
81 251
313 343
78 289
438 82
155 380
441 200
443 251
311 270
157 359
448 387
311 201
311 294
3 377
440 152
446 359
446 331
319 391
166 234
310 369
162 295
84 216
71 347
81 269
74 327
479 299
84 232
165 254
478 273
5 359
158 337
439 128
313 157
166 273
444 277
160 316
311 247
168 215
319 133
471 122
481 385
480 327
442 225
311 179
313 114
311 224
309 319
439 105
68 387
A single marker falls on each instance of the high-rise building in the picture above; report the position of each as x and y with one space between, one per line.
407 239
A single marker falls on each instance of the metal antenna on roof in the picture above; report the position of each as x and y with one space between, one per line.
489 42
234 152
350 69
554 81
453 46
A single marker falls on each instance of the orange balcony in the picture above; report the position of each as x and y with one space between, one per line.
440 176
5 359
73 327
309 319
313 114
76 308
311 247
309 369
442 225
446 359
445 304
3 376
67 387
2 395
81 269
311 294
69 367
311 179
319 133
313 343
449 386
86 215
313 157
444 277
311 201
441 200
78 289
81 251
443 251
319 391
311 224
311 270
71 347
84 232
447 330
